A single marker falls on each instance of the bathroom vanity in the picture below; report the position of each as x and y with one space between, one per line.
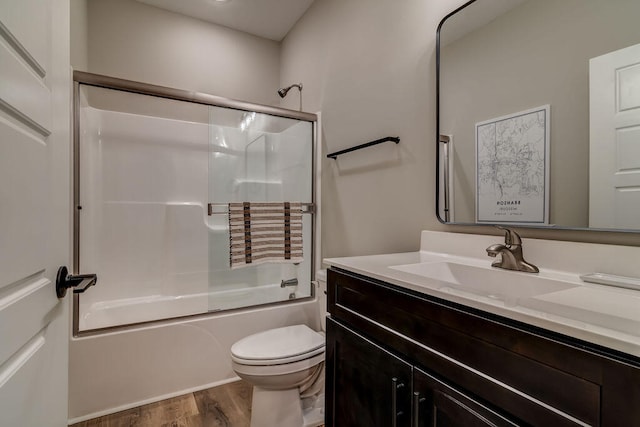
404 349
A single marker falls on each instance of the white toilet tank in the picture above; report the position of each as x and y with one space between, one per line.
321 292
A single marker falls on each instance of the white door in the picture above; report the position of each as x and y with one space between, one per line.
614 158
34 211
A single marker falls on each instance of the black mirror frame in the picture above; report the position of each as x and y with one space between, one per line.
437 150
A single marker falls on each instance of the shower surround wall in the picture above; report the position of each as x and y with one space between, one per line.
143 227
145 185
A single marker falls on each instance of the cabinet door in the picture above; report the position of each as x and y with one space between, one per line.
366 385
436 404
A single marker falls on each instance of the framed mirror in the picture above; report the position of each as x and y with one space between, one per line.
539 114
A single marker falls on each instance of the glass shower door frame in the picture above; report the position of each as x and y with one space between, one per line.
106 82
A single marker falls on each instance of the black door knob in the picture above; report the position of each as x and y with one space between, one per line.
79 282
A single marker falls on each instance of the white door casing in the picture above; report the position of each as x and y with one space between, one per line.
614 148
35 106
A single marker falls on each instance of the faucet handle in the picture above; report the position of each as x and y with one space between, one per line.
510 236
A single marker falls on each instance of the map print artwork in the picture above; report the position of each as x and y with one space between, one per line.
512 168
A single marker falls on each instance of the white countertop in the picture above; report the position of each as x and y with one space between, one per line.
602 315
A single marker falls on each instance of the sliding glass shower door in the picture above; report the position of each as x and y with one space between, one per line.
257 158
154 177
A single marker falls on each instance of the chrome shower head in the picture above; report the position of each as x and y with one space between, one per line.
283 91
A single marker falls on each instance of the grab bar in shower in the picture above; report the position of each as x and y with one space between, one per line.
335 155
223 208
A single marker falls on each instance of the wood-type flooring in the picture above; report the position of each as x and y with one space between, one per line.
227 405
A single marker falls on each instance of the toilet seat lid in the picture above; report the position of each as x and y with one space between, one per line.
281 345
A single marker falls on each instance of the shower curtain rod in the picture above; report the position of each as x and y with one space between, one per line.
107 82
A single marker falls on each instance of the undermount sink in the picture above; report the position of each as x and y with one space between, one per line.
502 285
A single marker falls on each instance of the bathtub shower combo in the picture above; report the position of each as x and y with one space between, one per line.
155 171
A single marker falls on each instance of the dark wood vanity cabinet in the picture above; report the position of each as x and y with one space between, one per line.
399 358
374 385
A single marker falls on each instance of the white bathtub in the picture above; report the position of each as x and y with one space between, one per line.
120 370
125 311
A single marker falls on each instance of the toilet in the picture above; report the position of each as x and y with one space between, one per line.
286 368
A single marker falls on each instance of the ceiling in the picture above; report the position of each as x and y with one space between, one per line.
271 19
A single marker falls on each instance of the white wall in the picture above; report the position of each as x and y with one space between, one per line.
134 41
369 66
79 35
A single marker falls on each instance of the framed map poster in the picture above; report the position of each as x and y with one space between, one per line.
512 168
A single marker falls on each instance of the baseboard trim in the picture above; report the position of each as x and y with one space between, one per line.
150 400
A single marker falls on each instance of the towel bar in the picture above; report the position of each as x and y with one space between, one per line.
222 208
395 139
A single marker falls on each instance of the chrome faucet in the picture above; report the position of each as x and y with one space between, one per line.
511 253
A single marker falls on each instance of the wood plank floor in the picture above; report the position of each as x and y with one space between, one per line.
228 405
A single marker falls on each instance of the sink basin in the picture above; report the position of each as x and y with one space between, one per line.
505 285
602 307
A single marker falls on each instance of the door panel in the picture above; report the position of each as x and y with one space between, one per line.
19 383
614 140
26 24
34 210
17 324
364 377
24 93
23 193
440 405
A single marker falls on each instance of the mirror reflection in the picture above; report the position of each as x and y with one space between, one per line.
540 105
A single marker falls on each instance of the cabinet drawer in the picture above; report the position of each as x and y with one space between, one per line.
442 339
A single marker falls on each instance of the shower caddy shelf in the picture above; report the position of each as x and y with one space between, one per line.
335 155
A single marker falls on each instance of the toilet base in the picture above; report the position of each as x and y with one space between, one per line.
280 408
283 408
314 417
